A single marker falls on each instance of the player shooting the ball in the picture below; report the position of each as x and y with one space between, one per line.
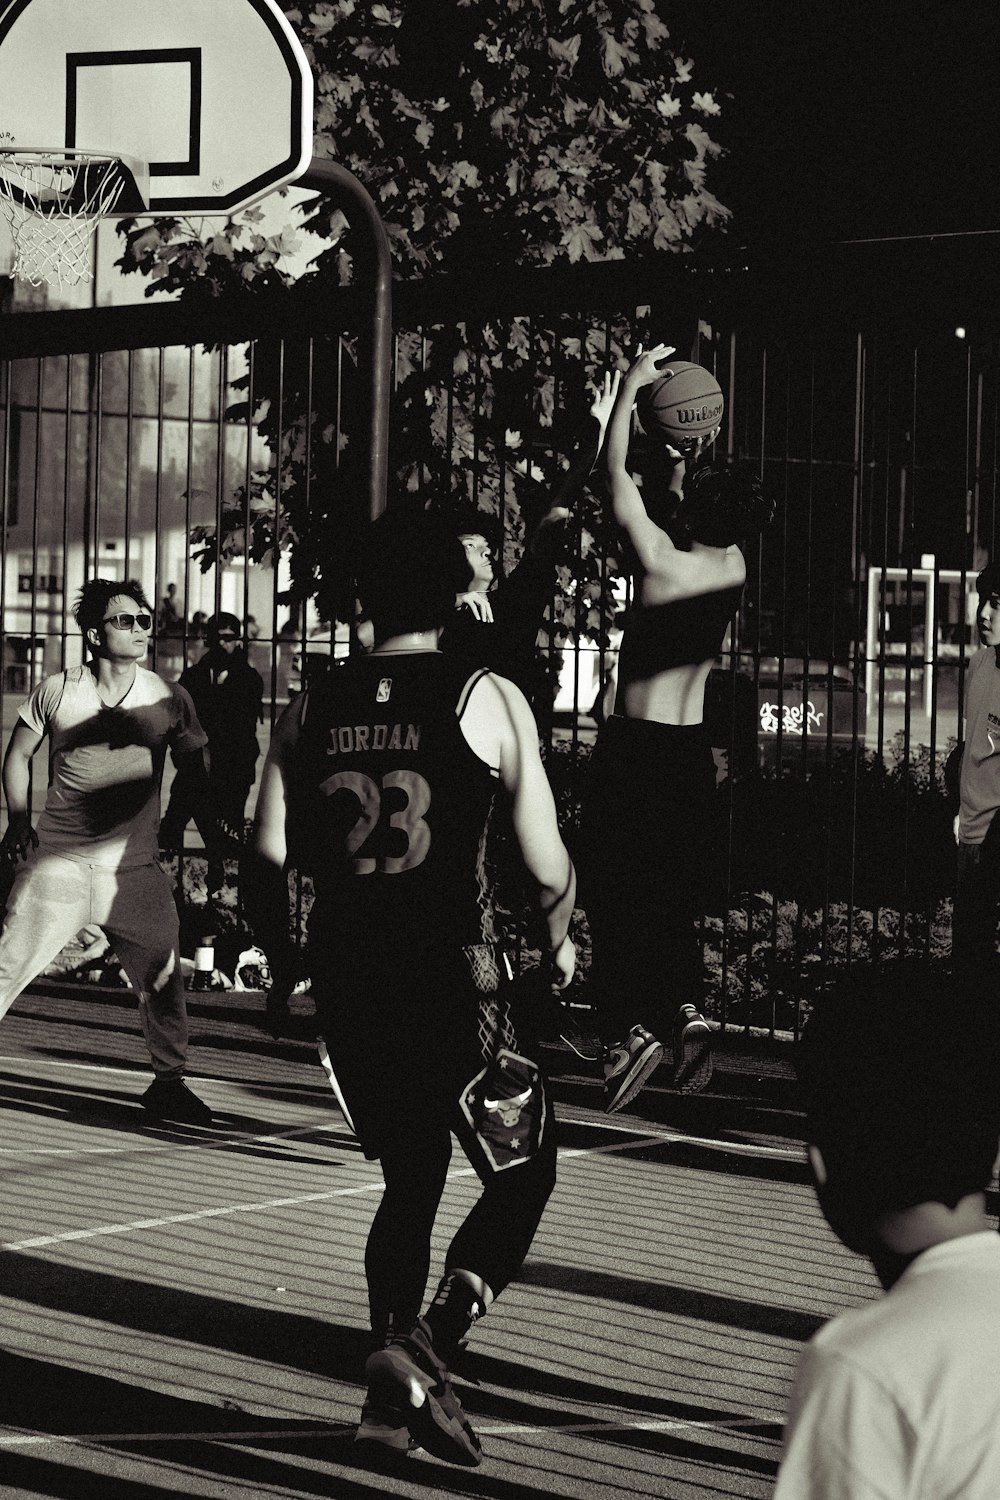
647 812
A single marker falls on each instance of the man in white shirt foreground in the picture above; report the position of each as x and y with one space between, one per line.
901 1397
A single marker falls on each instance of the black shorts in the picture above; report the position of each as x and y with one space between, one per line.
417 1050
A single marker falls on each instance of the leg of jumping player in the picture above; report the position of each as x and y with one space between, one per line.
646 827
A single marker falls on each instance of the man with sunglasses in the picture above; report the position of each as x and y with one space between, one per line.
227 693
92 859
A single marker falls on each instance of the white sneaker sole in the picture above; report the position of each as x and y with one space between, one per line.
694 1065
630 1082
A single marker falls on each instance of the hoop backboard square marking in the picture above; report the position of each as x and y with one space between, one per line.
216 95
170 75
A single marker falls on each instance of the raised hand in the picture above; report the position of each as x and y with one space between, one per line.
605 395
478 604
644 369
694 447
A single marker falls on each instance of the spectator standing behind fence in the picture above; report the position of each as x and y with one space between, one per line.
648 805
169 620
496 624
93 857
900 1399
227 693
381 779
977 763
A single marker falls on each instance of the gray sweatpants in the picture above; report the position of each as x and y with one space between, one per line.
53 897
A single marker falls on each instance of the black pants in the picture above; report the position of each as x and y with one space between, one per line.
646 830
977 897
407 1096
492 1242
222 798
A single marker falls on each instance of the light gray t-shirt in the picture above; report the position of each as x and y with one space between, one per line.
900 1400
979 782
105 764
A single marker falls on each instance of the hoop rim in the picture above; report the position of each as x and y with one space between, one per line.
135 175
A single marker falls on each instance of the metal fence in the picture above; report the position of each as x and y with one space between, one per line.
183 448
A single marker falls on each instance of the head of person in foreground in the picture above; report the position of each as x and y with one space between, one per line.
899 1067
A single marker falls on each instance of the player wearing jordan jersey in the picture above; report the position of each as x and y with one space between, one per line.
394 808
381 782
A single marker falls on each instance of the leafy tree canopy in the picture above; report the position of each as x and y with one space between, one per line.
521 133
489 136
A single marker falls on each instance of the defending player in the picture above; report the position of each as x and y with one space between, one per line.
649 798
381 780
496 623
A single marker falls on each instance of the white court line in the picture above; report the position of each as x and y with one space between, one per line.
637 1137
130 1226
736 1148
318 1091
145 1146
496 1429
38 1242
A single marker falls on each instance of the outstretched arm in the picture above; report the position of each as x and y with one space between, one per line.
647 539
582 465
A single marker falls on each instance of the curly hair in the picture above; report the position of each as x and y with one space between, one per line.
725 503
96 595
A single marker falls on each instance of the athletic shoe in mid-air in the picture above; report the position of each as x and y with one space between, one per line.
409 1376
692 1051
628 1066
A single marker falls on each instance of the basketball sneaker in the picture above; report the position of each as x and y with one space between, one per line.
628 1066
692 1050
409 1376
171 1100
385 1425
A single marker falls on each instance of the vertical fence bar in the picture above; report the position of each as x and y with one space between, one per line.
158 581
67 491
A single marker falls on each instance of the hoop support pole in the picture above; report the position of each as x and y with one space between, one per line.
330 178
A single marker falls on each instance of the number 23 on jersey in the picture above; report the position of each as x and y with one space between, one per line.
409 819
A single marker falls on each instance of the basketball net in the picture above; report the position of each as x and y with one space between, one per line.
53 202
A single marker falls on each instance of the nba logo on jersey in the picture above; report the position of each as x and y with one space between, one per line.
384 689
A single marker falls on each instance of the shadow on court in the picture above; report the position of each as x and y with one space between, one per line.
183 1310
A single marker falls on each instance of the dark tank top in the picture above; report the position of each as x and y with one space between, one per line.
682 632
392 810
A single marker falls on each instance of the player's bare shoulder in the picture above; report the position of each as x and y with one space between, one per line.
495 717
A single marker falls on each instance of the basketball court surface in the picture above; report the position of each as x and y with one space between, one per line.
183 1310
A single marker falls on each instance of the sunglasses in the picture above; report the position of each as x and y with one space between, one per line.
125 622
227 635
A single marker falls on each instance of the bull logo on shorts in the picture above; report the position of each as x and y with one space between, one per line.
504 1107
509 1110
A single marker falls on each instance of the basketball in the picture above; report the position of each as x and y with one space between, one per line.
683 404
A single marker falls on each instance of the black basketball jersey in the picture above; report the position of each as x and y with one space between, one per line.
392 810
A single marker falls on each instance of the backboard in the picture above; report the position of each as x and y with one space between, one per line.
215 96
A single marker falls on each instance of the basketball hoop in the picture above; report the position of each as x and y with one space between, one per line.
53 200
